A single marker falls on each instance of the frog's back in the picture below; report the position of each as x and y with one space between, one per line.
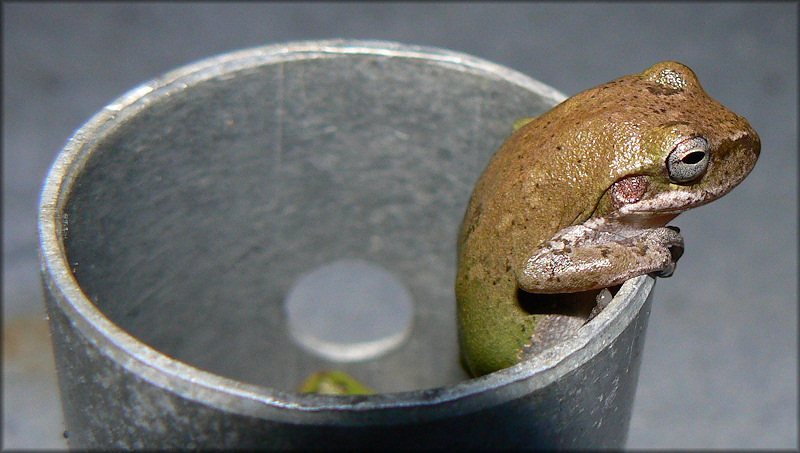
505 220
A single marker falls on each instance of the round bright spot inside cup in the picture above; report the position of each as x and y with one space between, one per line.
349 310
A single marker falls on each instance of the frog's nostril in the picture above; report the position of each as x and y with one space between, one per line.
349 310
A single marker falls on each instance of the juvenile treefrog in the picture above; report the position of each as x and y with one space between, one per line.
578 199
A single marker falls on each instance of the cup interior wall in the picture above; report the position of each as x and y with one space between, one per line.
193 218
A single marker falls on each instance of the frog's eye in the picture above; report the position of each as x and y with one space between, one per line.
688 160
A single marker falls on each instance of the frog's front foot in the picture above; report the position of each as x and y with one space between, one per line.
671 238
581 258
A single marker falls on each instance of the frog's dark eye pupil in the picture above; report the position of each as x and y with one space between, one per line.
693 158
688 160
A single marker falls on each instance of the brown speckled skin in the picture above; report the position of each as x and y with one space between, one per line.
560 169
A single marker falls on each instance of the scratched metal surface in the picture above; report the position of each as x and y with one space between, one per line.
259 178
719 367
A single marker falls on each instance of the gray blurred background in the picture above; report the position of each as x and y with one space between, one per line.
720 362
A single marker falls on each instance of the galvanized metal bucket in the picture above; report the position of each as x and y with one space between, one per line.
180 225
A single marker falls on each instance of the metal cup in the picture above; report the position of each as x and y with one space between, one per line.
176 223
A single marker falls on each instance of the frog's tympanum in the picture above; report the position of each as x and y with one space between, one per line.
578 199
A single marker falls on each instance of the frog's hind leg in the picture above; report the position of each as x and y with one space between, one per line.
558 316
492 327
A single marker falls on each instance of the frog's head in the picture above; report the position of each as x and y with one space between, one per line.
687 149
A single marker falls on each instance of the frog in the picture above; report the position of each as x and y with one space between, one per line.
577 201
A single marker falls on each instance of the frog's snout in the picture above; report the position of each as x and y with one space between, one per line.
754 143
748 147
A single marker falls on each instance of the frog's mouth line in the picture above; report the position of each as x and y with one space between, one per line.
675 201
678 200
